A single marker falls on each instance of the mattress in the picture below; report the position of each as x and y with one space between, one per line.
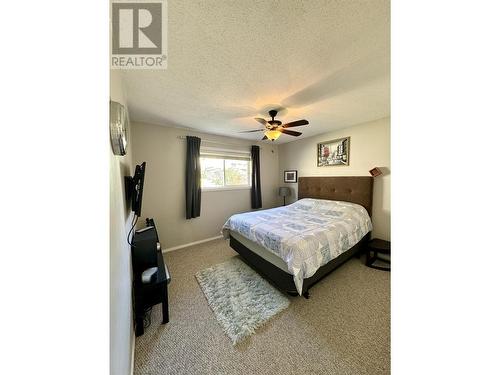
261 251
304 235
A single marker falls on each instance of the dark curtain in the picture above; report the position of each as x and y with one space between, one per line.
193 178
256 193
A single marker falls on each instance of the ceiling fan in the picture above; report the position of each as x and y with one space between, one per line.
274 128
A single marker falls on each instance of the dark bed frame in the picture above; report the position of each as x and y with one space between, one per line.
350 189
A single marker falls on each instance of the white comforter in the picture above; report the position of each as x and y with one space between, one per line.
306 234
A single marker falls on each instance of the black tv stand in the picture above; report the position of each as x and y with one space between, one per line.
147 254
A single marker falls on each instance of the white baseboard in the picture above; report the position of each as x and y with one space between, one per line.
190 244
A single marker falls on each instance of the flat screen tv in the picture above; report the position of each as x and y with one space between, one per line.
136 187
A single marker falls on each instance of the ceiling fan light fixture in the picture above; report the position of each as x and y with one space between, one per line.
272 134
274 128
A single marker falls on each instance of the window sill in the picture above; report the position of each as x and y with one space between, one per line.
225 188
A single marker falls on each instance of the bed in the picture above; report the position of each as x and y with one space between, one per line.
297 245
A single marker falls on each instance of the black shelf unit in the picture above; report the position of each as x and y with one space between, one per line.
146 253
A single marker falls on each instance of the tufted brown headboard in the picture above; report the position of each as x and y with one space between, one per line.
349 189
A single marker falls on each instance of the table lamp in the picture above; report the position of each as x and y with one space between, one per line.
284 192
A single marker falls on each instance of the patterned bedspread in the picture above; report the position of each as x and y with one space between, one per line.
306 234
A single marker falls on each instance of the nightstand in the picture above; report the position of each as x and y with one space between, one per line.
378 254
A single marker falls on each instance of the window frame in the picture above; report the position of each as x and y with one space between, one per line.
227 155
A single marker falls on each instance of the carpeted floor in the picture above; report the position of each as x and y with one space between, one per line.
344 328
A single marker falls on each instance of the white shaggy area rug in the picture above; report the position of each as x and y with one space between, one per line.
240 298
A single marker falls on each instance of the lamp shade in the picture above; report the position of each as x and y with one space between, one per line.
284 191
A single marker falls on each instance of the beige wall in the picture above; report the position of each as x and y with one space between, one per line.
164 197
121 328
370 147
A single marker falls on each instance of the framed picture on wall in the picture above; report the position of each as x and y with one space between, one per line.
290 176
334 152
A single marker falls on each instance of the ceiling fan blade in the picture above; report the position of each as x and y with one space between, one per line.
295 123
251 131
265 137
261 120
289 132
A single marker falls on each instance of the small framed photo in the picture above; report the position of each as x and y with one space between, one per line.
375 172
290 176
334 152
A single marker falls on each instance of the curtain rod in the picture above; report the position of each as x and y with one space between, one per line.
215 142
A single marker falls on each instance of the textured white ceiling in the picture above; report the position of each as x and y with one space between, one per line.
229 61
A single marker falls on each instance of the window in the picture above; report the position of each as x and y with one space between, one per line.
224 169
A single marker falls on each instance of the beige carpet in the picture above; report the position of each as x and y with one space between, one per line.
344 328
